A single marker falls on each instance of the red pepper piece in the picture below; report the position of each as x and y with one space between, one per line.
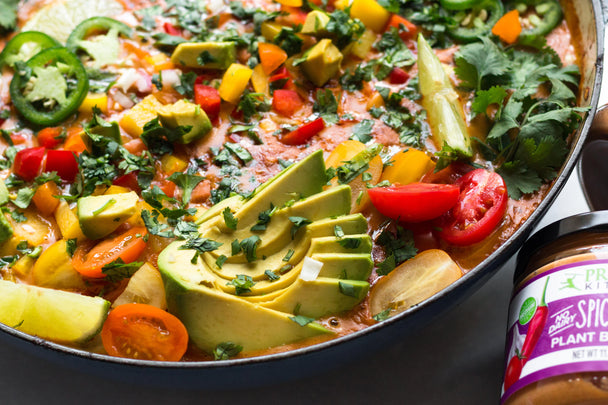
50 137
63 162
398 76
282 74
129 181
286 102
535 328
168 187
28 162
172 29
304 133
209 99
410 30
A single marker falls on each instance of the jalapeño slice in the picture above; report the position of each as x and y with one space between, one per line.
25 45
544 16
474 20
49 87
95 26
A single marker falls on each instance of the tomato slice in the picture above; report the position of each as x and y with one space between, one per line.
89 258
479 210
414 202
144 332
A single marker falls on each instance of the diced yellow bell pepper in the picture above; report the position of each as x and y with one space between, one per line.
54 268
290 3
345 152
171 164
159 62
408 166
23 266
92 100
362 46
342 4
68 222
259 80
116 190
135 219
35 230
134 120
375 101
234 82
270 30
371 14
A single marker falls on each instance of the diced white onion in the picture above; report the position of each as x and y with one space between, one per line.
170 77
144 82
123 100
216 6
127 79
310 269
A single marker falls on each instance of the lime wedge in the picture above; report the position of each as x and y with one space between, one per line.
59 18
56 315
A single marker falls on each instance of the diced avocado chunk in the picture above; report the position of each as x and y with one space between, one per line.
208 55
3 193
315 24
322 62
6 230
185 114
100 215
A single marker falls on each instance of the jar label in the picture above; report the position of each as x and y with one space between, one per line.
558 324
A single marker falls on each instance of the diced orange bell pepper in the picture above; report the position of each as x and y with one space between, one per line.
44 198
508 27
271 56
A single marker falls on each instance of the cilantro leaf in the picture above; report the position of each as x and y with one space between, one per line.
8 15
249 247
118 270
229 218
24 197
200 245
485 98
326 105
264 218
362 132
226 350
301 320
187 182
242 284
298 222
477 61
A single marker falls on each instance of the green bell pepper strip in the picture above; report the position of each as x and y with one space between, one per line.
49 87
457 4
14 50
476 27
547 15
95 25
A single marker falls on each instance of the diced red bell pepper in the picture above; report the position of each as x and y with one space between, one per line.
172 29
50 137
398 76
209 99
286 102
410 30
281 74
304 133
28 162
168 187
135 146
129 181
63 162
293 16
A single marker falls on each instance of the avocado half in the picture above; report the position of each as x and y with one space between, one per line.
202 294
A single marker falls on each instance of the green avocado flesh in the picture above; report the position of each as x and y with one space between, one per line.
56 315
304 221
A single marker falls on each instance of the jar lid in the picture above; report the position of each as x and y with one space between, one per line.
588 222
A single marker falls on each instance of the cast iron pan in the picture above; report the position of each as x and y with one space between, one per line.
275 368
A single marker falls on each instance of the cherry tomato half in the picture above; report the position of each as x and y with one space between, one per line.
89 258
479 210
414 202
144 332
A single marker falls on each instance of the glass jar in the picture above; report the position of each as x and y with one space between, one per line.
557 335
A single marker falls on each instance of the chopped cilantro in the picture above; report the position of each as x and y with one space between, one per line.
8 15
242 284
264 218
382 316
271 275
249 247
187 182
350 243
301 320
289 41
70 246
288 255
229 218
362 132
298 222
398 243
200 245
118 270
239 151
326 105
221 259
24 197
343 28
226 350
186 84
347 289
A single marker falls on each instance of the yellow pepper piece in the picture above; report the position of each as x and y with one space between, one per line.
23 266
116 190
54 268
371 14
290 3
270 30
408 166
35 230
171 164
234 82
159 62
259 80
68 222
341 4
134 120
345 152
92 100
